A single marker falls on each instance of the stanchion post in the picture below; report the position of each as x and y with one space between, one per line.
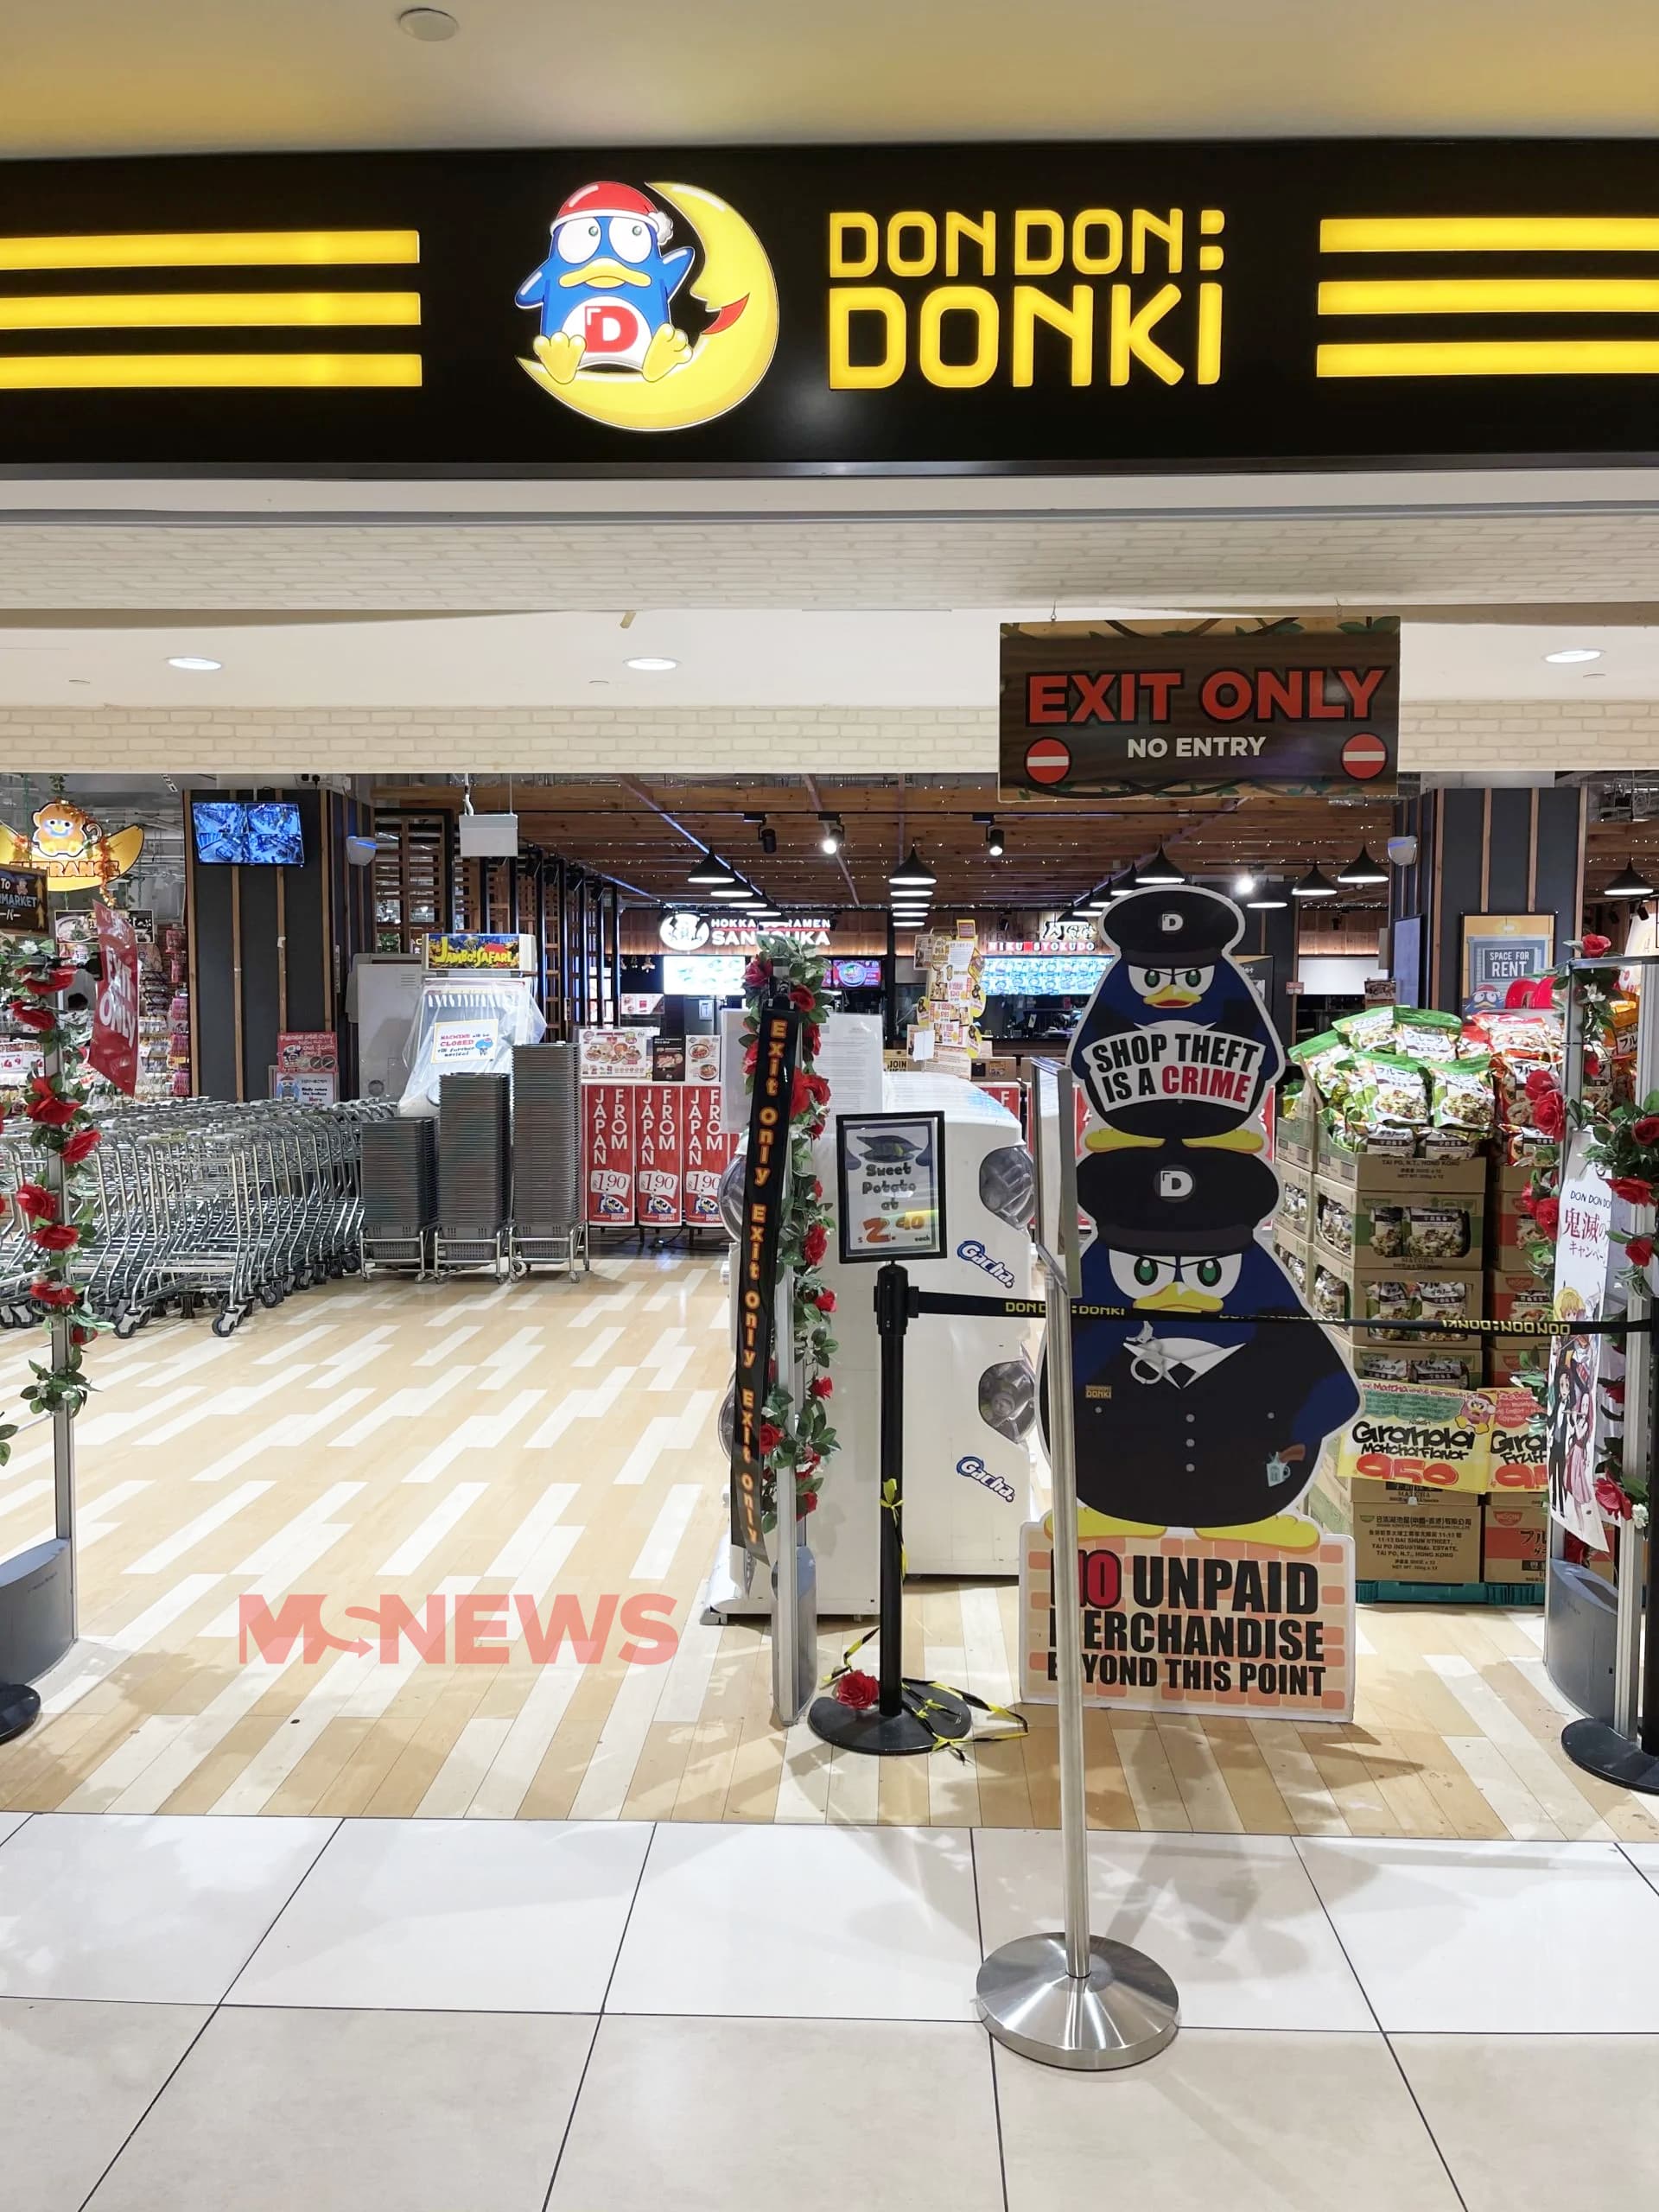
891 1321
1071 1999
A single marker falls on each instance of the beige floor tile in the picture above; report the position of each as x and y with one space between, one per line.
1536 2123
929 2145
78 2080
357 2112
1253 2121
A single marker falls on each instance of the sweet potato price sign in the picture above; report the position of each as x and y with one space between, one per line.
1090 710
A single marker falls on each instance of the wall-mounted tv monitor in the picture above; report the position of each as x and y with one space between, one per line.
265 834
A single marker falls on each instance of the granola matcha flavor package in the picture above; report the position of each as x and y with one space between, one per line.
1389 1090
1421 1033
1326 1062
1330 1296
1460 1092
1335 1224
1368 1031
1437 1233
1391 1238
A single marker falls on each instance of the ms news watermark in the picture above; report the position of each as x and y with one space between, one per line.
472 1630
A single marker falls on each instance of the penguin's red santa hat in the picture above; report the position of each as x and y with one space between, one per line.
616 199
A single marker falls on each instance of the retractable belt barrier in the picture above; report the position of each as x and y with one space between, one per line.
927 1301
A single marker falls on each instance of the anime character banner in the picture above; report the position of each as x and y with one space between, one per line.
1199 1421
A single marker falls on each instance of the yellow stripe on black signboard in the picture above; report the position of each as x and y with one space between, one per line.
231 362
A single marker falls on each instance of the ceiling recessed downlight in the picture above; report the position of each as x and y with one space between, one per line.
195 663
1570 654
430 25
651 663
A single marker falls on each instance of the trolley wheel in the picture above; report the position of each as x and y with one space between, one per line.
351 1263
516 1270
126 1324
225 1323
270 1295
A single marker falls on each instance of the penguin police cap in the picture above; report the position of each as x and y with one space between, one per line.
1177 926
1174 1199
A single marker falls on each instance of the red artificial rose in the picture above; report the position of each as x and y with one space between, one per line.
800 1098
56 1236
1549 1114
817 1189
751 1059
815 1243
801 999
1547 1214
1638 1250
819 1089
757 974
857 1689
1631 1189
825 1301
1594 946
820 1387
806 1501
1612 1499
40 1018
771 1436
48 982
814 1039
1524 1201
1614 1391
36 1201
48 1109
79 1336
1539 1082
52 1293
1645 1130
81 1146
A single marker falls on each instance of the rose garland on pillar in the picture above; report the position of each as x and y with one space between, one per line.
796 1433
60 1227
1623 1133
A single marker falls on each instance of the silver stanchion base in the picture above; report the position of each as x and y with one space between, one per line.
1127 2011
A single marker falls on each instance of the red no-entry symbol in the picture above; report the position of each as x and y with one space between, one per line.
1048 760
1364 756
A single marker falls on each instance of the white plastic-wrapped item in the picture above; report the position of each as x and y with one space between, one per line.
467 1024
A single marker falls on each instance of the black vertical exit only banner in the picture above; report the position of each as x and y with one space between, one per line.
765 1187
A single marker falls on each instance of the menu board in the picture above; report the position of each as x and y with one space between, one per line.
891 1169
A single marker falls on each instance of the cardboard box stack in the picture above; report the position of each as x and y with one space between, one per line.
1397 1212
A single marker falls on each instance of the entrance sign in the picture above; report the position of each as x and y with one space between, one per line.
1092 307
1291 707
890 1168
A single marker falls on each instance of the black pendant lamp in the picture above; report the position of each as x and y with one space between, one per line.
1362 869
1629 883
1315 885
1159 873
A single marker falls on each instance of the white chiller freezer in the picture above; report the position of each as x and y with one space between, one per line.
969 1390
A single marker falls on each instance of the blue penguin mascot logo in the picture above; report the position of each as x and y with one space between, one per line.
605 287
1189 1411
1174 1040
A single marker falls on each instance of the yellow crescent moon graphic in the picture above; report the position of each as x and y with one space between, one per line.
726 363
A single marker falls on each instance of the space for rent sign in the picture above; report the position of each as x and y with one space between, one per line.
1092 709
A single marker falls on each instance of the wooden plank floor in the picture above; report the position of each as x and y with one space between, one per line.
558 1439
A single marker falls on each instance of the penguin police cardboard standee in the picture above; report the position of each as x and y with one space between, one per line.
1198 1427
1175 1042
1189 1413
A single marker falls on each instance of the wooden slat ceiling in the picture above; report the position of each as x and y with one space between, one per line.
644 832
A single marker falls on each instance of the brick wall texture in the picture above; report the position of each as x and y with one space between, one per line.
1466 736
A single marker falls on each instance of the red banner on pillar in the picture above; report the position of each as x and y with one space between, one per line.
707 1150
608 1163
659 1134
114 1049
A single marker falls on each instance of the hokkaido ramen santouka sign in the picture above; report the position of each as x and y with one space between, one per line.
1202 1393
1089 710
